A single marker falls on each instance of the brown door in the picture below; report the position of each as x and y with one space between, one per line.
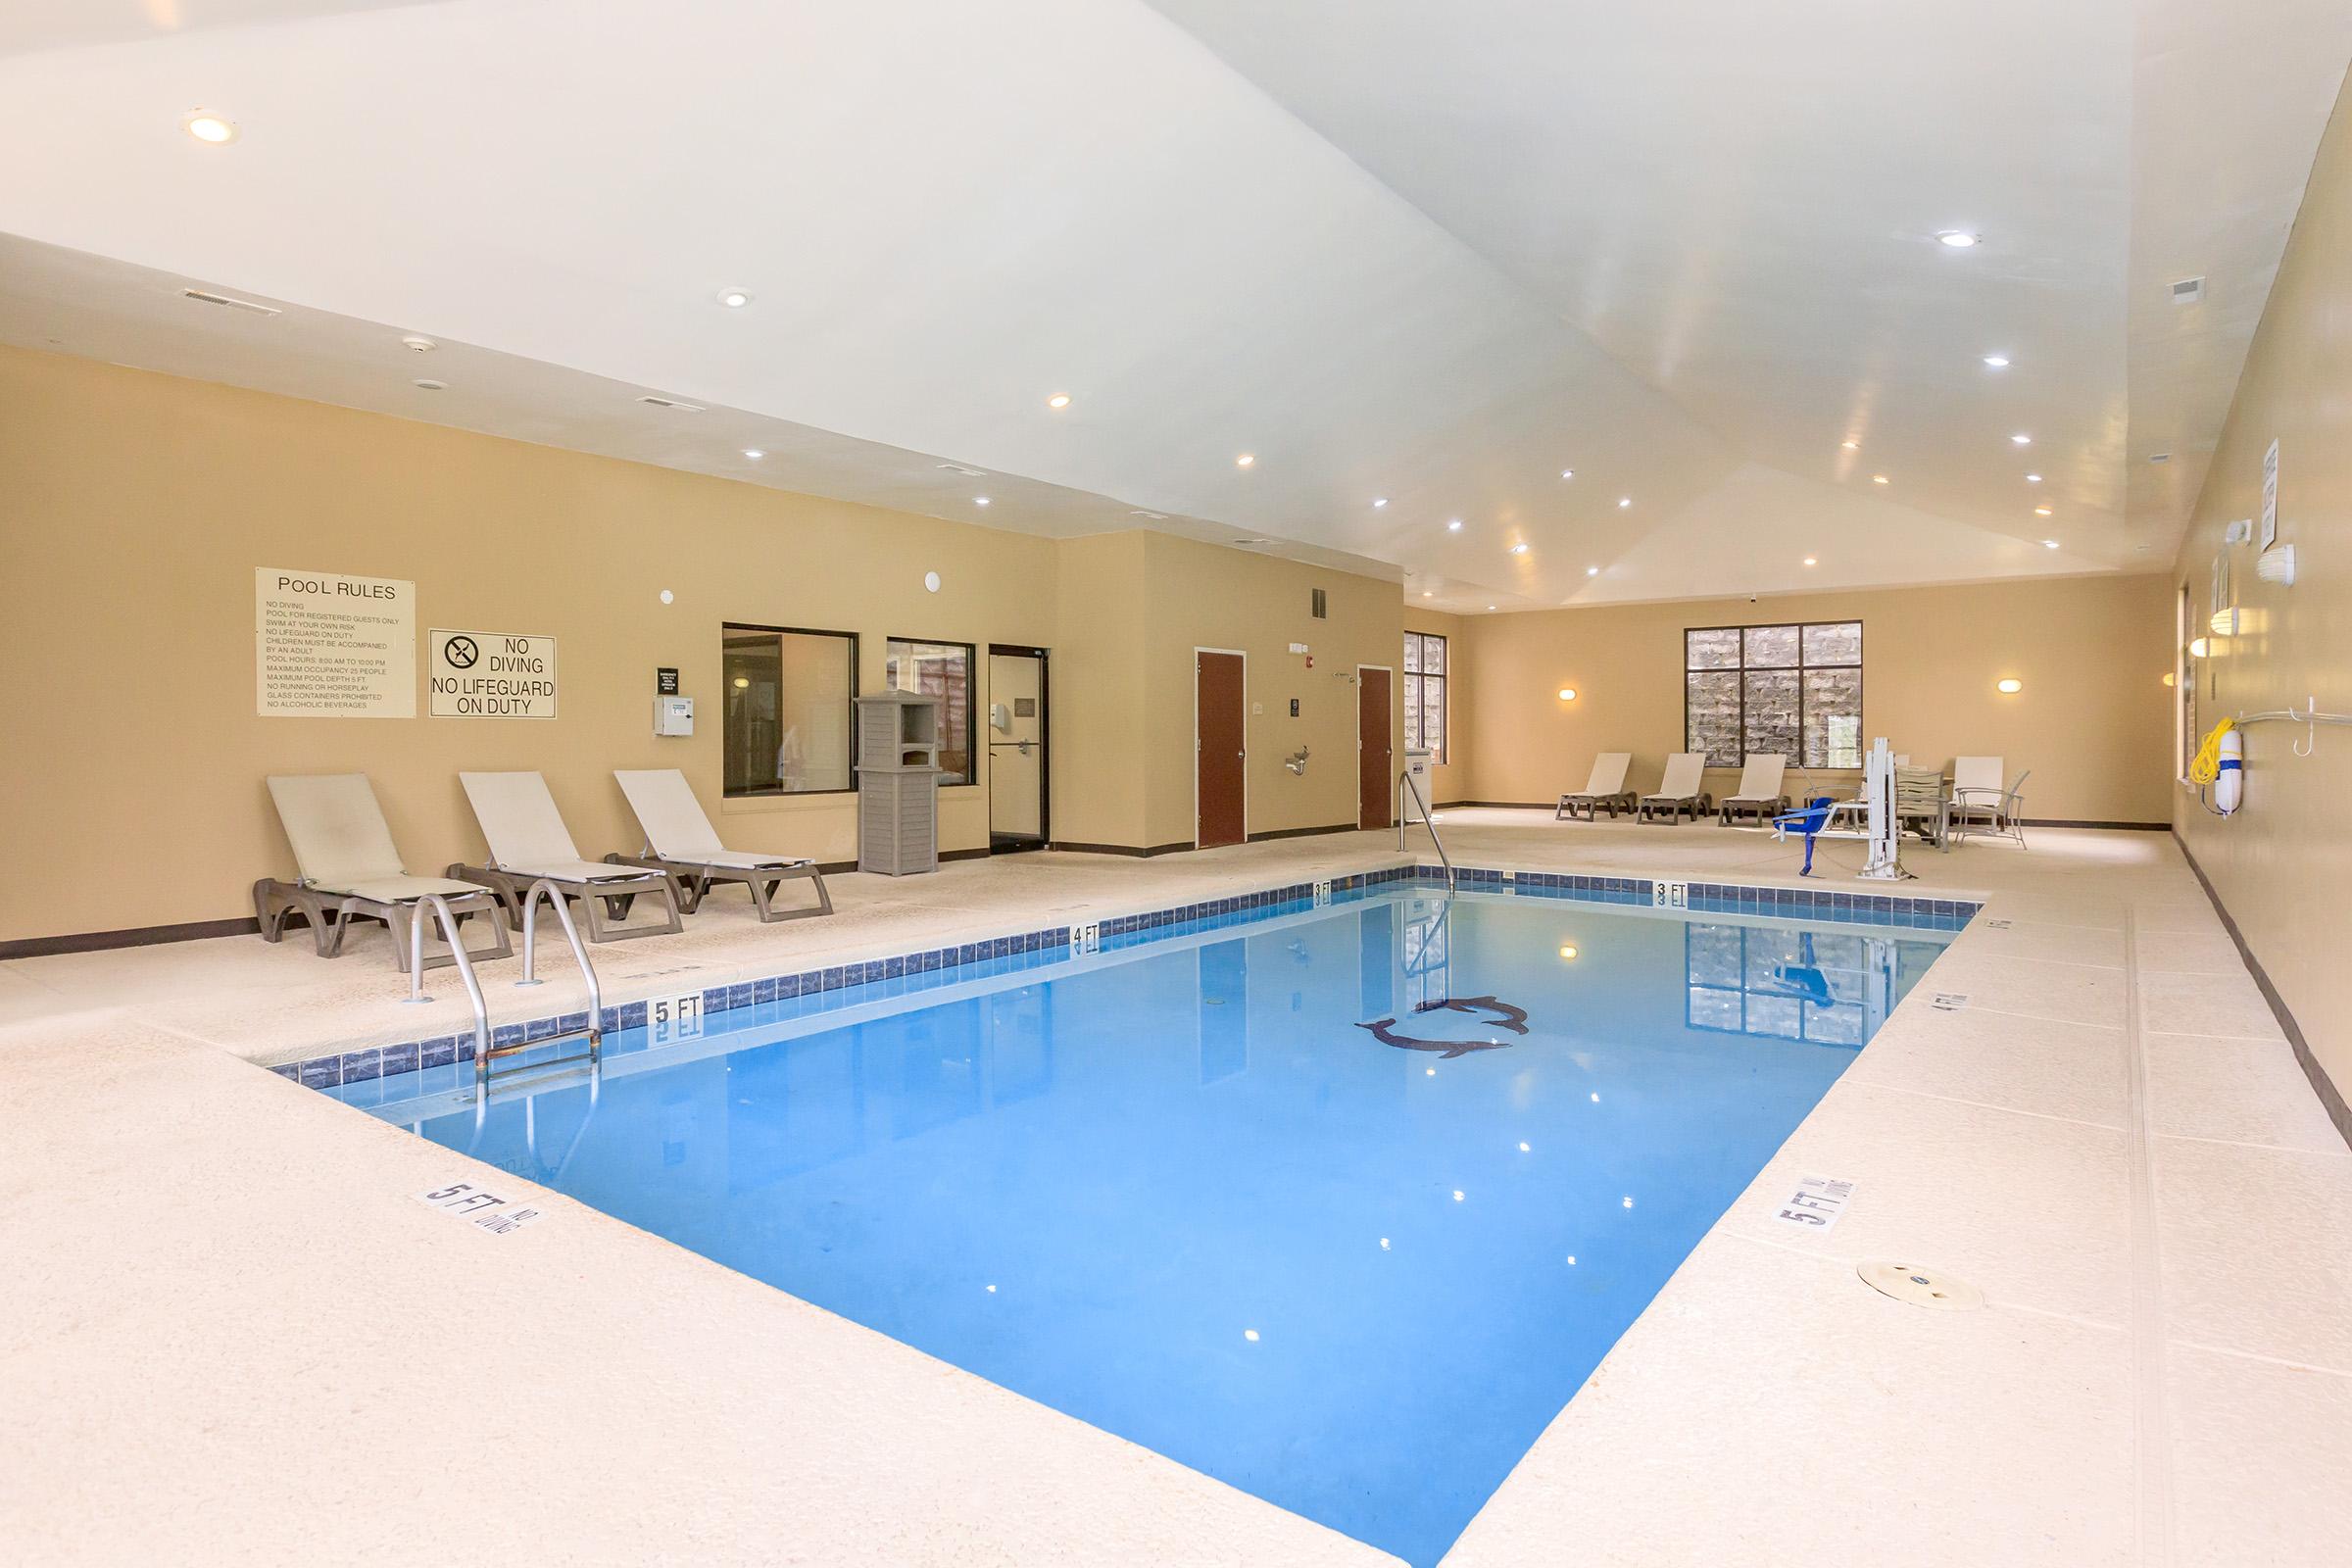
1217 710
1376 782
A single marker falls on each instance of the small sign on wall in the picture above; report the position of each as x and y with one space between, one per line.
488 674
330 646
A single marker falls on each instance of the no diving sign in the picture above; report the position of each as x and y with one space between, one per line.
488 674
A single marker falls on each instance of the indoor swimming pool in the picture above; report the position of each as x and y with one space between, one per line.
1340 1206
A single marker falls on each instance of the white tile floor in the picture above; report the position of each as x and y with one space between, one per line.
224 1289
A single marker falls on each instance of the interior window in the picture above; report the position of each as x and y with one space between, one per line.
788 716
1424 692
942 670
1793 690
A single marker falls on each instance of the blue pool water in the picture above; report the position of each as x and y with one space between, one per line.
1185 1196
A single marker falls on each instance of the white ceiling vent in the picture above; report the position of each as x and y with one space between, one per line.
2188 291
251 307
673 403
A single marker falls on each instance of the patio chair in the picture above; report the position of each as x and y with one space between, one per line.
1604 791
1678 794
529 843
680 841
1920 803
348 868
1981 807
1759 794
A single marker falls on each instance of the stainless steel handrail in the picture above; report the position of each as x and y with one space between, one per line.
543 887
458 956
1404 782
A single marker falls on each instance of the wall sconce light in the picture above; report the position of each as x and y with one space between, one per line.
2200 648
2225 623
2012 686
1568 952
1567 694
2168 677
742 683
2276 564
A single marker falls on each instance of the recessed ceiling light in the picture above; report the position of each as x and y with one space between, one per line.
1999 362
1379 502
215 129
1454 525
734 299
1958 239
1625 501
2041 512
419 345
1519 550
1428 593
1878 478
2022 439
1060 400
753 453
1811 561
2033 479
425 384
1852 446
2049 544
1592 571
1245 460
979 501
1490 607
1567 473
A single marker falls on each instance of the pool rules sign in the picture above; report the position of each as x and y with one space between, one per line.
491 674
329 646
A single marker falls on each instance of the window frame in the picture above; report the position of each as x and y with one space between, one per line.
1411 693
1742 669
972 701
851 637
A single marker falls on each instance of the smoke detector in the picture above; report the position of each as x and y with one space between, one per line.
419 345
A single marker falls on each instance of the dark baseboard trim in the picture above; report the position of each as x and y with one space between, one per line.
1071 847
2114 827
145 936
1309 832
2330 1097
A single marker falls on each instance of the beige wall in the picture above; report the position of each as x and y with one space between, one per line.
2090 722
137 506
2280 864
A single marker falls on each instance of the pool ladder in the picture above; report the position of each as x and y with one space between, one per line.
1428 821
483 1049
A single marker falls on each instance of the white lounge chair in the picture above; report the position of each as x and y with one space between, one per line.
1604 791
679 840
1679 793
1759 794
348 867
1981 806
529 843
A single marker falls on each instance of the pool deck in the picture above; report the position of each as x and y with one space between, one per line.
235 1334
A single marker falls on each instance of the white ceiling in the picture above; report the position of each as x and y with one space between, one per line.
1430 253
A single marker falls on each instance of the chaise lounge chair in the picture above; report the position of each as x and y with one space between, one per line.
1679 793
680 841
1759 794
1604 791
1981 806
529 843
349 867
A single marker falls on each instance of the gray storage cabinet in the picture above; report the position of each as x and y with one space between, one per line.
897 783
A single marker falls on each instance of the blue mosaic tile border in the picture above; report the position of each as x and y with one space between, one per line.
1721 897
849 985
